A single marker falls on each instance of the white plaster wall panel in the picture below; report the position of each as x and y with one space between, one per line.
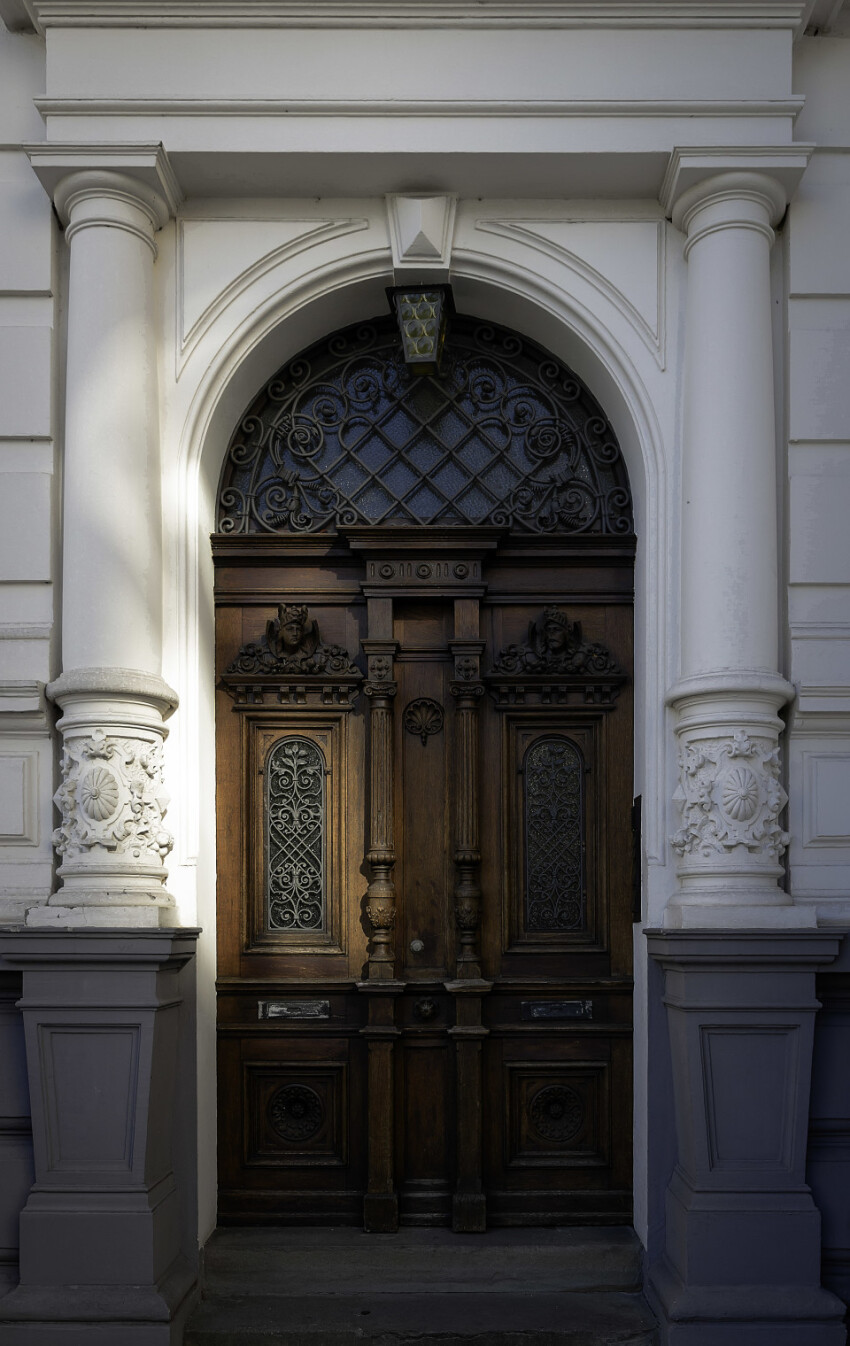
25 381
822 74
218 256
404 64
624 260
25 604
25 526
819 225
21 80
822 661
826 816
819 362
18 798
25 227
25 659
813 608
819 511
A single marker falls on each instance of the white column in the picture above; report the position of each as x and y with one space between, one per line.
730 842
112 841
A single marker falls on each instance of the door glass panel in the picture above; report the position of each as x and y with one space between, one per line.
553 811
295 830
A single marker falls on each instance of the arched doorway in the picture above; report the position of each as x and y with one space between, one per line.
424 738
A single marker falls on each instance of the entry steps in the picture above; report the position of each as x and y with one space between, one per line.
341 1287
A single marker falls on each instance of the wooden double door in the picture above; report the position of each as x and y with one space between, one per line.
424 747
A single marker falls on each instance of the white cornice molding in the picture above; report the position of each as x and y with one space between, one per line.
316 107
689 167
39 15
146 164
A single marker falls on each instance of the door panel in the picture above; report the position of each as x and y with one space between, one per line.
488 1076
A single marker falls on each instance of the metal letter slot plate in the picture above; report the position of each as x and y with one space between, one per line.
555 1009
293 1009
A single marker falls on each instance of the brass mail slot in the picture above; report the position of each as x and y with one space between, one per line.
555 1009
293 1009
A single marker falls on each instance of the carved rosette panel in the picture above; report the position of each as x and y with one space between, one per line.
112 797
729 795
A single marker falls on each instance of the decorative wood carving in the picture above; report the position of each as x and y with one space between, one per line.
423 717
380 895
555 665
291 664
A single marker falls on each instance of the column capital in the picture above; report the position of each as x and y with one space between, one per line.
734 179
130 187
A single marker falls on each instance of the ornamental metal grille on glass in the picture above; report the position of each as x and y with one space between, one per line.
346 435
553 774
295 836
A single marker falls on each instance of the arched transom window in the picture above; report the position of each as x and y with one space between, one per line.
346 435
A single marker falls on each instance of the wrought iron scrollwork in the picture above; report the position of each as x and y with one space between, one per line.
553 773
295 836
346 435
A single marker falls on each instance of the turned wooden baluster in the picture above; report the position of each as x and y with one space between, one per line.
469 1214
380 895
380 1202
467 691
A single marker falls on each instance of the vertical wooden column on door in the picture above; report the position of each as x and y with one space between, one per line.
380 1204
469 1204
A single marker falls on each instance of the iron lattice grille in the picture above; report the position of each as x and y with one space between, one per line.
553 776
346 435
295 836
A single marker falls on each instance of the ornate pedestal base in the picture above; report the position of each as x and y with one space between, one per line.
108 1241
112 838
742 1259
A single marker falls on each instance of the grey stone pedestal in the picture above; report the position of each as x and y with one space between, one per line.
108 1244
742 1258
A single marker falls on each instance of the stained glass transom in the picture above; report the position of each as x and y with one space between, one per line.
553 775
346 434
295 836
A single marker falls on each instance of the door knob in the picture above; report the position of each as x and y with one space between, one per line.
416 946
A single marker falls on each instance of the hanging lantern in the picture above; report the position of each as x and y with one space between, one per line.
422 315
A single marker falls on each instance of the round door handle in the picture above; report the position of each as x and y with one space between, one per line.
416 946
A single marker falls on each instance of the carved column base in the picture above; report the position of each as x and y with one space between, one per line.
112 840
730 840
742 1252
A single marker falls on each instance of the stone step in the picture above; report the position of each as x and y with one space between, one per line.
340 1287
458 1319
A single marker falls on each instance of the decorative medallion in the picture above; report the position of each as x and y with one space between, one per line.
556 1112
292 644
296 1112
99 793
112 798
347 434
730 795
423 717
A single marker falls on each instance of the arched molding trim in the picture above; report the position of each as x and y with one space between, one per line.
353 288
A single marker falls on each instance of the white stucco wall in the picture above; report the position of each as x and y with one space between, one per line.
818 502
